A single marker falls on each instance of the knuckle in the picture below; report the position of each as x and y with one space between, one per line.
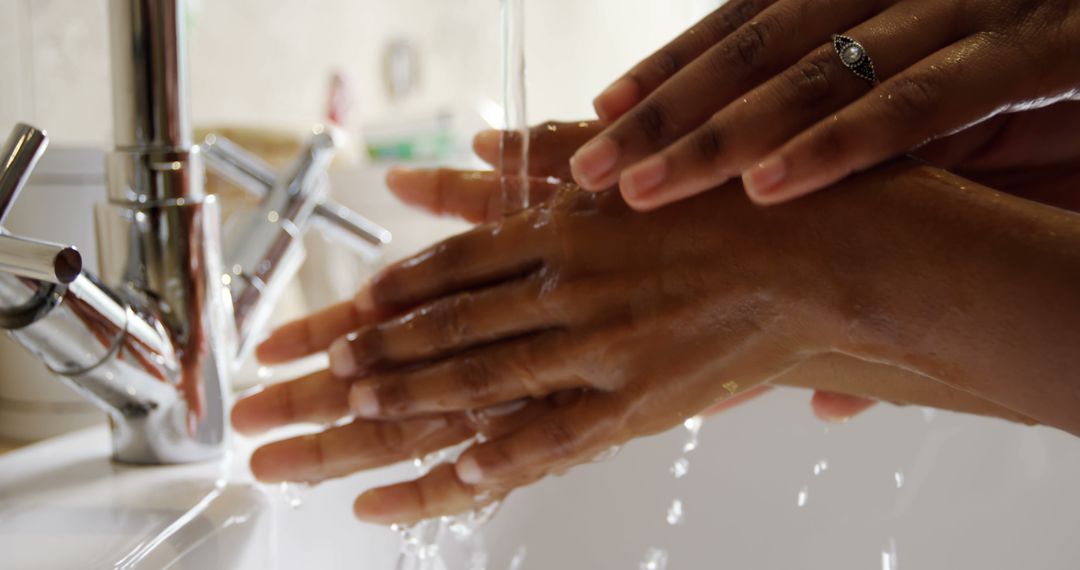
707 143
389 437
911 98
811 80
449 256
732 16
652 120
369 343
393 395
829 141
666 63
751 42
561 441
495 459
474 377
446 321
543 135
384 288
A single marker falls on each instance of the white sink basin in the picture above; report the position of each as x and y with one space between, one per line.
770 487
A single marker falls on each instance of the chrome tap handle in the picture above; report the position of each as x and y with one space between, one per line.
246 170
21 152
28 258
39 260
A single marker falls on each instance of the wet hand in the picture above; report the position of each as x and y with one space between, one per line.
757 89
630 337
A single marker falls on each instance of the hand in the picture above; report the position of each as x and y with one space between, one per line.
757 89
607 397
638 334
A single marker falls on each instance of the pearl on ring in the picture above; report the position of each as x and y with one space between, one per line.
854 57
852 54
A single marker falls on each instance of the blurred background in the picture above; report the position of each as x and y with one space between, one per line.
269 62
408 81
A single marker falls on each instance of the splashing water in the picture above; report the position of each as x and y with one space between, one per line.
515 189
680 468
821 467
888 555
607 454
804 494
518 561
898 477
655 559
692 425
293 493
420 541
675 513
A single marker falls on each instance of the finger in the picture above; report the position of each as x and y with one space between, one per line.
773 40
486 255
737 400
448 325
317 398
742 133
956 86
436 494
362 444
471 195
656 69
833 407
315 332
550 147
567 435
531 366
359 445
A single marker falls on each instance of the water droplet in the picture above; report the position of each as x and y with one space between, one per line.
899 478
888 555
675 513
263 373
821 467
693 426
655 559
680 468
293 493
607 454
464 526
804 493
518 561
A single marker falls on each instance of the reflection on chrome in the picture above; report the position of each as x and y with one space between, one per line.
155 347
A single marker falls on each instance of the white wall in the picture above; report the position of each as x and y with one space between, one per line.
267 62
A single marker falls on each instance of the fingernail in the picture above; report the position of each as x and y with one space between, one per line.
384 505
617 99
593 162
834 419
394 177
342 358
644 177
363 301
490 139
468 471
765 177
362 401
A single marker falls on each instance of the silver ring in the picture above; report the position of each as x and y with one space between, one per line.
854 57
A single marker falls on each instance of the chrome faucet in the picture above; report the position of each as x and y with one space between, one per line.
155 348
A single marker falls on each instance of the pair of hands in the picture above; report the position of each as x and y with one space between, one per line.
610 341
756 90
539 332
548 337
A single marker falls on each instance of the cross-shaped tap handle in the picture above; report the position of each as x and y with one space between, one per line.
29 258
